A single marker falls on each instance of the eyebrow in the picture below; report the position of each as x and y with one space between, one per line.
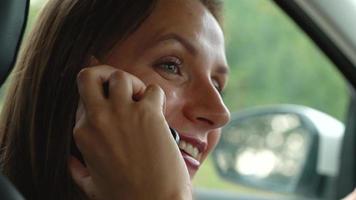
224 70
185 42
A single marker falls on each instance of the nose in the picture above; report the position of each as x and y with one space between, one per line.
206 107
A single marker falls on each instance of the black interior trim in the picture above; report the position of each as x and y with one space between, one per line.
7 191
346 181
13 18
344 65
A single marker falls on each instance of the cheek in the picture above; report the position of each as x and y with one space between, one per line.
213 139
174 103
172 98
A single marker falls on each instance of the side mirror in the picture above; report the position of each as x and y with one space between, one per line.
282 148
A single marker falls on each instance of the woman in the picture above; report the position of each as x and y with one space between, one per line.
164 64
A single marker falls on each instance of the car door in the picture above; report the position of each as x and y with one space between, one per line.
285 57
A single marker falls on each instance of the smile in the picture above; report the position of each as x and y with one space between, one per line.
189 149
192 150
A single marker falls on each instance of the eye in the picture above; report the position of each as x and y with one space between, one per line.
218 86
170 65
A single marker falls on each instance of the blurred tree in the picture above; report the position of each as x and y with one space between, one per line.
272 61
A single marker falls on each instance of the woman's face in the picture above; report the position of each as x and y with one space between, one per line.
181 48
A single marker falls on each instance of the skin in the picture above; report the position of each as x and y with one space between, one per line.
194 106
351 196
167 74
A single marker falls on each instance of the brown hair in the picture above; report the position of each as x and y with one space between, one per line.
39 111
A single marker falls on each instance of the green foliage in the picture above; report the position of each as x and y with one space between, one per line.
272 61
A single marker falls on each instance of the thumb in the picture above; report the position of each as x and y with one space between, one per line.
155 95
82 178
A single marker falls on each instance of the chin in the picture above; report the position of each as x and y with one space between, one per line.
192 173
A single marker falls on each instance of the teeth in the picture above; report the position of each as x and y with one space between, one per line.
195 153
188 148
182 144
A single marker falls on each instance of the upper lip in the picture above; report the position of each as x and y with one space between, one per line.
198 143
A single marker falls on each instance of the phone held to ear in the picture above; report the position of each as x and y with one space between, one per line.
75 151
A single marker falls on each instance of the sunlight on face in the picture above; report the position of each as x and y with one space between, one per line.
181 48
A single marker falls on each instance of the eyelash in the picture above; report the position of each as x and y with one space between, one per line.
170 61
218 87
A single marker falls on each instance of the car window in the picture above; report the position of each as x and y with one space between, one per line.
272 62
35 6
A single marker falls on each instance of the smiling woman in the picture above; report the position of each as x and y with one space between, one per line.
182 55
165 66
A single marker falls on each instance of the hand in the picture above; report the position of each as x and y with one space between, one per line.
125 140
351 196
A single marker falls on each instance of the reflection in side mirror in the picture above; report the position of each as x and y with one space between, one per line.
277 148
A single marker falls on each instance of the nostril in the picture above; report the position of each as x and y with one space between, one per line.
205 120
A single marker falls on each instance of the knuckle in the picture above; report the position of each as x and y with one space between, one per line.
97 120
118 75
77 130
84 75
83 133
79 135
157 90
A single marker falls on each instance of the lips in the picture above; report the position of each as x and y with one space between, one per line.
189 149
192 150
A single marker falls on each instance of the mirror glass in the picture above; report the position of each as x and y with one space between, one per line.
265 150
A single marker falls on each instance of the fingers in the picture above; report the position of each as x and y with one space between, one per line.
82 178
124 87
79 173
90 83
155 96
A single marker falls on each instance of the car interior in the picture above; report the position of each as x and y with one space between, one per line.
308 15
13 17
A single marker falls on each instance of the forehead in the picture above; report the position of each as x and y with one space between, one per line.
188 18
